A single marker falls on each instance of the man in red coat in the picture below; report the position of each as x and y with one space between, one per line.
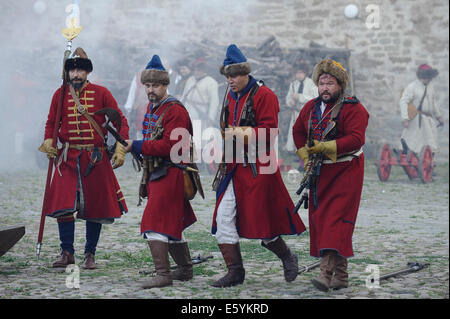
335 196
252 200
83 181
167 212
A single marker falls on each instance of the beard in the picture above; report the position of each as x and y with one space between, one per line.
331 98
154 98
77 83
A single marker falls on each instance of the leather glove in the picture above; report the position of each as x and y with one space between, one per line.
118 157
47 147
328 148
303 154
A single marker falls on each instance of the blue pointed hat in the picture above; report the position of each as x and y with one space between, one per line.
235 62
155 72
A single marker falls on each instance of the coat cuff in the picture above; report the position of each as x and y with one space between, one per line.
137 146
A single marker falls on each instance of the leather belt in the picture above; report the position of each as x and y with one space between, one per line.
87 147
82 147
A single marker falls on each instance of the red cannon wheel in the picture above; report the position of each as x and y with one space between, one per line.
411 167
384 163
426 164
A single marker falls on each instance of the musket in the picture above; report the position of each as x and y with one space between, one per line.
312 171
307 179
411 267
69 33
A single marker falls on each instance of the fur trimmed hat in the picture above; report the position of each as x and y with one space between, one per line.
78 60
424 71
333 68
235 62
155 72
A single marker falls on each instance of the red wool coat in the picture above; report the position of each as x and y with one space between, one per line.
167 212
340 184
264 206
99 192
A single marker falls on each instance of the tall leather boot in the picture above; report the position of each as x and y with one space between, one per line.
160 255
340 278
327 266
236 273
182 257
289 259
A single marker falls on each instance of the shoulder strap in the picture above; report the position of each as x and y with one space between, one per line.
159 121
248 113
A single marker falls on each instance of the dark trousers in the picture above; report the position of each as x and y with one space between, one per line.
67 235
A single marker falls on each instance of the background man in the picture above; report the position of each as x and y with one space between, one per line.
338 188
421 130
257 207
201 95
167 212
184 73
301 90
136 105
83 181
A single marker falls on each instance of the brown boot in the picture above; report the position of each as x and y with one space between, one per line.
340 278
182 257
89 261
160 255
289 259
236 273
327 265
64 260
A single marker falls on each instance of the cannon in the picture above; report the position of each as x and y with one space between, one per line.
415 165
9 236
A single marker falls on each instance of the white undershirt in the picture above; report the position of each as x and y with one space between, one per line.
322 107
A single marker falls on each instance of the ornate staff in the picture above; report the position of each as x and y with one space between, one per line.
70 33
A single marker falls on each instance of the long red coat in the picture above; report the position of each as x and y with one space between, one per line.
167 212
264 206
339 186
100 194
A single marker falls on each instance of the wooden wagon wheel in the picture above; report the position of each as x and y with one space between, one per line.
426 164
384 163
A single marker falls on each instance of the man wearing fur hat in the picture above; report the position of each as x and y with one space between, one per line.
251 202
201 94
167 212
338 188
301 90
84 181
419 128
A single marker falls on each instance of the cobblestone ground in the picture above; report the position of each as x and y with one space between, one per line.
399 221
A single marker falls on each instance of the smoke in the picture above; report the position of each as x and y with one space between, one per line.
118 36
